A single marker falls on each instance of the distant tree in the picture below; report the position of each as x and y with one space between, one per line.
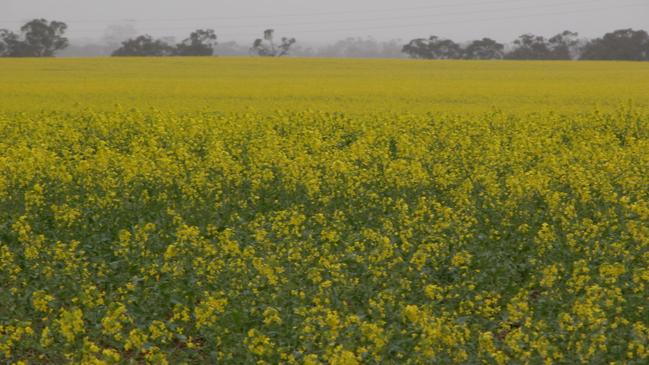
231 48
44 38
623 44
433 48
143 46
530 47
38 38
362 48
266 47
200 43
563 46
484 49
6 40
115 34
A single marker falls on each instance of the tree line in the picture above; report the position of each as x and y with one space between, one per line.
623 44
42 38
200 43
37 38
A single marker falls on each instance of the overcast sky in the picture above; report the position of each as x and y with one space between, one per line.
323 21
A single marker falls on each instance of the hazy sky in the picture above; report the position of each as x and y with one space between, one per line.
321 21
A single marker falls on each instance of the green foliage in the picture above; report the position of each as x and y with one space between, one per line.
143 46
200 43
38 38
313 237
266 47
623 44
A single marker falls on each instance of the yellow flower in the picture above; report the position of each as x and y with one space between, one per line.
258 343
461 259
112 323
412 313
158 330
46 337
611 272
71 323
344 357
311 359
550 275
434 292
41 300
207 310
136 339
271 316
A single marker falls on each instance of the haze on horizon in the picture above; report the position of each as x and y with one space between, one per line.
320 22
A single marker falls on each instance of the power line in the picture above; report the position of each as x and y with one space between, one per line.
496 18
357 21
313 14
407 26
371 27
466 21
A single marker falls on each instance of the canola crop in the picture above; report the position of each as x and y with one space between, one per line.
226 85
320 237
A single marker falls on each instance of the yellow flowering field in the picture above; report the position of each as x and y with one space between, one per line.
224 85
265 233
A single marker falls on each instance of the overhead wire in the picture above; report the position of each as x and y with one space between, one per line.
317 14
409 17
392 18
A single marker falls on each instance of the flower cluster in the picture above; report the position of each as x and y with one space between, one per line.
324 238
